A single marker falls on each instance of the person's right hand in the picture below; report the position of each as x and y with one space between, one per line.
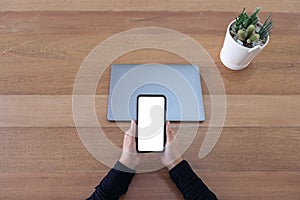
171 156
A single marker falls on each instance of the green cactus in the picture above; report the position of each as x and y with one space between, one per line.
249 30
253 38
249 35
243 20
242 35
266 28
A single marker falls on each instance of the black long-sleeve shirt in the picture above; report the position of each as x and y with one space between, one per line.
189 184
116 183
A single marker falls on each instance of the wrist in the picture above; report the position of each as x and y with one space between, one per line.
123 168
173 164
126 163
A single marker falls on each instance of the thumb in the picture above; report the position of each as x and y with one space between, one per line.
132 128
170 133
132 125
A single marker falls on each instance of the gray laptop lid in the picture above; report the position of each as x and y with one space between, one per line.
179 83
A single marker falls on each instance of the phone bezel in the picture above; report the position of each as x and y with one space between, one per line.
137 121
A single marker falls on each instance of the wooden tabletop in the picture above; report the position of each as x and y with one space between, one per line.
42 45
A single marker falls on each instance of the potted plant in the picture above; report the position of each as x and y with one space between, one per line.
245 38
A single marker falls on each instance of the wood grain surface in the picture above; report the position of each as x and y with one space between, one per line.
144 5
56 111
61 185
42 45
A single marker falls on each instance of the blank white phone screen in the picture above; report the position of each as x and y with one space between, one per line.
151 119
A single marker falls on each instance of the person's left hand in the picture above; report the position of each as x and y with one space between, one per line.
130 158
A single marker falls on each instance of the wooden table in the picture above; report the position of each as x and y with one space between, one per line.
42 45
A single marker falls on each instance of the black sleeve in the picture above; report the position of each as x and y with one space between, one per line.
114 184
190 185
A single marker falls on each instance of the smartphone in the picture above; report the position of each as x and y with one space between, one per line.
151 123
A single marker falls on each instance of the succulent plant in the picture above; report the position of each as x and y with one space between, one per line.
249 30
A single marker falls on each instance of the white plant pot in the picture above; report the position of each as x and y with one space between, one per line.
234 55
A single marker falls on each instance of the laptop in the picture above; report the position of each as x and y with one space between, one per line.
179 83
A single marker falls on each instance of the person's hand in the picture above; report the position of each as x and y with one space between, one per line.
171 156
130 158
